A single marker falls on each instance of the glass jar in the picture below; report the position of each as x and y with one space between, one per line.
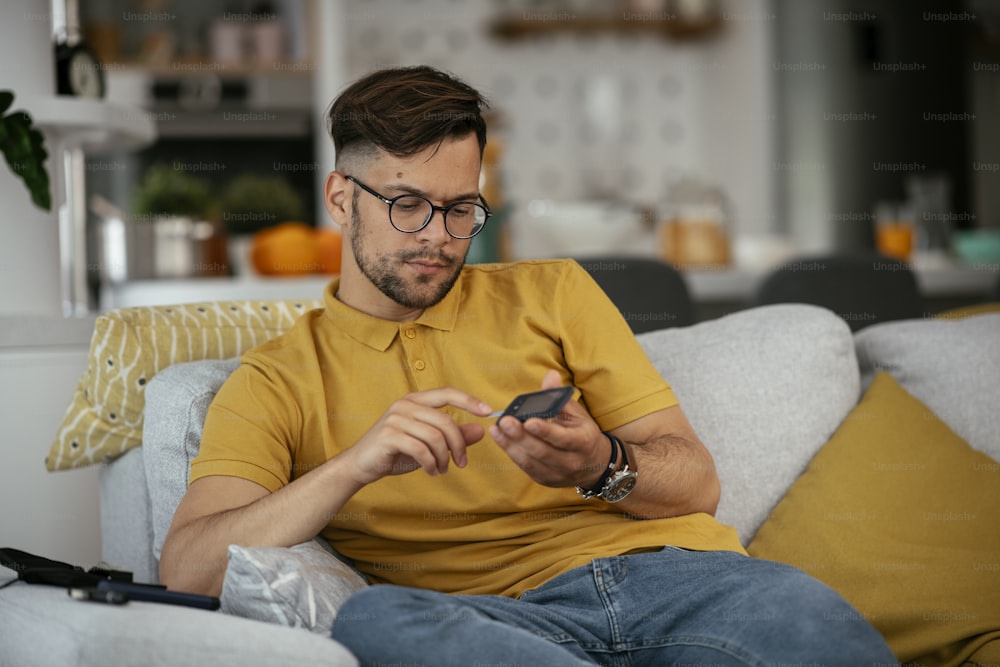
694 226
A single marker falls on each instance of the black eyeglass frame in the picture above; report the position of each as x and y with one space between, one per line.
444 210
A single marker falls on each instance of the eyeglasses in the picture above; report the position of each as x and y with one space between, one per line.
411 213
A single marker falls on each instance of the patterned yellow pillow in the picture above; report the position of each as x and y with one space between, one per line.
129 346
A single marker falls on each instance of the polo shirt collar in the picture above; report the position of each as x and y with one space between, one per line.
377 333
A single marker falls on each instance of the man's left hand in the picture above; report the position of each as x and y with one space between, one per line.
569 450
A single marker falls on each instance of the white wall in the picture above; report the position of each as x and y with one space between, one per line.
51 514
55 515
29 237
328 21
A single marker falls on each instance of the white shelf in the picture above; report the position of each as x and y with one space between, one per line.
90 124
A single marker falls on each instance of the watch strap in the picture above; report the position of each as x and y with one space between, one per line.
598 488
621 447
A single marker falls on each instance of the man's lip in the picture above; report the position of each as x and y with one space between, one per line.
423 268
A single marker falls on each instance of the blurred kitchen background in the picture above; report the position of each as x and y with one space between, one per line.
771 127
728 138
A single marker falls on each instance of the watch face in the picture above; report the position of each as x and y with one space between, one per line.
85 75
620 486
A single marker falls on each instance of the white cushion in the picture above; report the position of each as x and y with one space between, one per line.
952 366
301 586
764 389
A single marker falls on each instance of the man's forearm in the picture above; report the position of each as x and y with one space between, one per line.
194 555
676 476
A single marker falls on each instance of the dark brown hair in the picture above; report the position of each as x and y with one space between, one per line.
404 111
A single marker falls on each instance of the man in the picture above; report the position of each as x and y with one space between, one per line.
493 543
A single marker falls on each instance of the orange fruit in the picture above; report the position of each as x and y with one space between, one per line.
286 249
330 242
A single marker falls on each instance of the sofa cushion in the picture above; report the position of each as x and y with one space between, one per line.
951 365
178 399
129 346
899 515
301 586
764 389
42 626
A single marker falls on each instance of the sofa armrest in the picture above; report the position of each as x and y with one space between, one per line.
126 517
177 401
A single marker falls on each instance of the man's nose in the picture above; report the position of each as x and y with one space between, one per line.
435 231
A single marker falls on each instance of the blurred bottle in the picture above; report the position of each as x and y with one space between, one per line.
928 195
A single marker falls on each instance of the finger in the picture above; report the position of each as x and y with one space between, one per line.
530 434
471 434
429 435
551 380
507 427
394 452
544 440
453 436
560 433
442 396
544 464
510 435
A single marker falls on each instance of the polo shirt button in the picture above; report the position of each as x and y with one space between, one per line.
410 333
419 365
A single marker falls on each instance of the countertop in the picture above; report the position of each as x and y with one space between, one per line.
707 286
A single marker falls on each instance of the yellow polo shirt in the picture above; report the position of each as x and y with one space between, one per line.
301 398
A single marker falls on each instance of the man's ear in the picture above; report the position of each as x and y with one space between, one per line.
336 199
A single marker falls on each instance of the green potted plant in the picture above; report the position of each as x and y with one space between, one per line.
166 191
253 202
23 147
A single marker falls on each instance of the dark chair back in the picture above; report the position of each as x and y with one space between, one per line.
862 287
649 293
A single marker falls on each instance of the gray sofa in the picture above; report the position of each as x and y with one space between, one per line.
765 389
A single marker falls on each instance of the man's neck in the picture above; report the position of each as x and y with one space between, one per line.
376 305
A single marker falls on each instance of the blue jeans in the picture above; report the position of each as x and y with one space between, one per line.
670 607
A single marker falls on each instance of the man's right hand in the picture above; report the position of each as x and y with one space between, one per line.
414 433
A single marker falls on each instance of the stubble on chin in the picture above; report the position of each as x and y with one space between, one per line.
386 271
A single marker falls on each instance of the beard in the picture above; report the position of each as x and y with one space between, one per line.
384 270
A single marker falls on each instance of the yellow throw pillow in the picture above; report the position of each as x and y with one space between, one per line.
968 311
129 346
902 517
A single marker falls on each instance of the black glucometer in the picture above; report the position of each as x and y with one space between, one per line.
544 404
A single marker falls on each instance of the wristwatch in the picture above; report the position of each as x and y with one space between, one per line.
614 485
